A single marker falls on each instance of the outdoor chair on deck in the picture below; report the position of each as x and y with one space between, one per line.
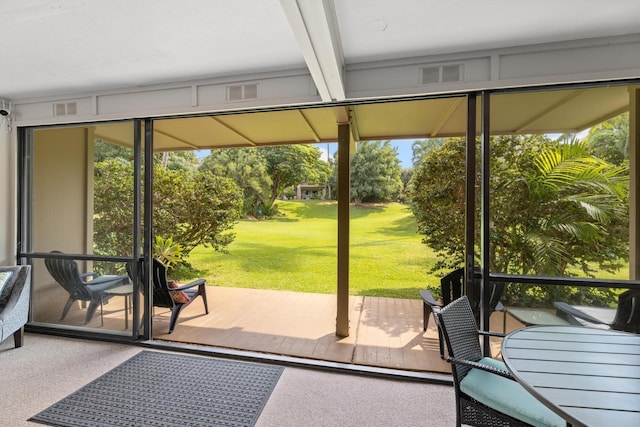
486 394
66 273
15 290
452 287
167 296
626 317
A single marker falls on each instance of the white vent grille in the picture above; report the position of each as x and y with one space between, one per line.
242 92
65 109
441 74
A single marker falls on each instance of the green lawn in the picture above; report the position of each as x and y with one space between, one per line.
297 251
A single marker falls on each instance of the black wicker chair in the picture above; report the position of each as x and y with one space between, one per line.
625 317
452 288
486 394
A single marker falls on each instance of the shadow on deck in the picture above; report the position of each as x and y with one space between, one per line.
384 332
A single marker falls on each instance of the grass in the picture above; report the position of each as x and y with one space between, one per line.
297 252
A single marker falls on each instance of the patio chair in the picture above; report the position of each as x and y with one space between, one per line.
452 286
167 296
626 317
15 291
486 393
79 287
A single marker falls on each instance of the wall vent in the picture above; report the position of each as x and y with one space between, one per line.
65 109
242 92
441 74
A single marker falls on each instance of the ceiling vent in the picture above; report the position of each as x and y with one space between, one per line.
441 74
65 109
242 92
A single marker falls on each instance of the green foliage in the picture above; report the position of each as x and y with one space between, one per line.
103 151
610 140
264 173
113 207
554 208
405 176
195 208
437 191
375 173
572 212
247 167
177 160
289 165
420 148
167 252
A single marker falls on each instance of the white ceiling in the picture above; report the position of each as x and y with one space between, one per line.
58 47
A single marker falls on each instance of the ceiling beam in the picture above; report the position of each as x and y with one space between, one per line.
315 27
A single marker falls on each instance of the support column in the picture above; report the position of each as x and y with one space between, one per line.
344 193
634 183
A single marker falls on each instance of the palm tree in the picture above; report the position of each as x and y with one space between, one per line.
574 200
610 140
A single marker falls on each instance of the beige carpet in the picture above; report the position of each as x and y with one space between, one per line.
48 368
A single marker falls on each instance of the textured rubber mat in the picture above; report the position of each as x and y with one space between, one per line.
163 389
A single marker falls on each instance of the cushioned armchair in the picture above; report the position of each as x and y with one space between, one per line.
15 290
486 394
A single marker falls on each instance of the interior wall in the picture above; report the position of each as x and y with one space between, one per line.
7 197
59 208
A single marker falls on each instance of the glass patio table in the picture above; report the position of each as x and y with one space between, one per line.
589 377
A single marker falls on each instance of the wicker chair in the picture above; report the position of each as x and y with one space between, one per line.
452 288
15 292
625 317
486 394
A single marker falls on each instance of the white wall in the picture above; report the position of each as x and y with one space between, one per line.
7 196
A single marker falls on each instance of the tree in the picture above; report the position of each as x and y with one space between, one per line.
552 206
610 140
572 211
192 208
178 160
420 148
248 168
375 172
437 194
405 176
195 208
289 165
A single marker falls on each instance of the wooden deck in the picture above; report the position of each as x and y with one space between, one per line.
384 332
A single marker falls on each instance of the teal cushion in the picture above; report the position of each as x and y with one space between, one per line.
507 396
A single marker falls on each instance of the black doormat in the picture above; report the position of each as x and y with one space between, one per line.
163 389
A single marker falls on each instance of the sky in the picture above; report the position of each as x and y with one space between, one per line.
404 151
